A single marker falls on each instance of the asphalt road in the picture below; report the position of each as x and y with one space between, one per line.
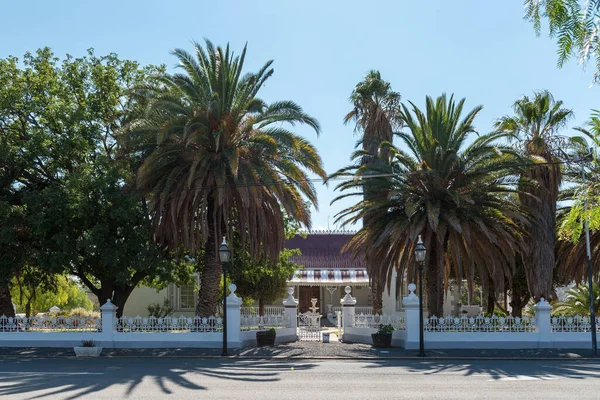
186 378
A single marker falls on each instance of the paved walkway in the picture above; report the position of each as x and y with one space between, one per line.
312 350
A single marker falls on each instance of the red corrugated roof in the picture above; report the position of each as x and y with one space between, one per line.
323 251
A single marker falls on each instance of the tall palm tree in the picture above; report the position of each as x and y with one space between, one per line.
375 113
223 161
451 193
535 126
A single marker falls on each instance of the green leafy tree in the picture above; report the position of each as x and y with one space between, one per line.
535 126
62 292
262 280
581 204
223 160
451 193
375 113
68 192
575 26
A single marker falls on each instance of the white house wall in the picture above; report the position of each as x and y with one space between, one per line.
140 298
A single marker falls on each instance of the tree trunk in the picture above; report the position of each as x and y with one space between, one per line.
120 296
28 309
261 307
6 306
434 281
377 296
210 278
376 287
491 302
105 293
539 260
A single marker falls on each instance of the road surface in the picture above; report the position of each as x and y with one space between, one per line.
189 378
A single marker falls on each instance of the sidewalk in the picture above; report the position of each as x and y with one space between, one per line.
315 350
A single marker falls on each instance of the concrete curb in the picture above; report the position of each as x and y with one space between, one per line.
318 358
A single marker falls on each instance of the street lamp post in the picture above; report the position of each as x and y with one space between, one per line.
225 257
420 254
589 267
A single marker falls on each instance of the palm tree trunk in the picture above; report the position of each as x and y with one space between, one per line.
519 292
377 296
210 278
540 259
6 306
434 281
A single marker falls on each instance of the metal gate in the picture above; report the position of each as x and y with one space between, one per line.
309 326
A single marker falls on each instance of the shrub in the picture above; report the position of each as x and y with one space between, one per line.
88 343
158 311
385 330
81 313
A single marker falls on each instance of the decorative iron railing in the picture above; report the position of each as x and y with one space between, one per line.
577 323
50 324
269 310
357 310
257 322
480 324
169 324
376 321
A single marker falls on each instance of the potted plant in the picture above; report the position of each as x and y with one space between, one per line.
87 349
266 337
383 337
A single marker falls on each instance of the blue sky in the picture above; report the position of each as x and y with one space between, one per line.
481 50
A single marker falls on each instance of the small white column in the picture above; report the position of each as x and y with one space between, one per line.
543 323
234 304
348 309
109 323
290 305
411 305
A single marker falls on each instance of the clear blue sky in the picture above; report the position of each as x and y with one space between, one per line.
481 50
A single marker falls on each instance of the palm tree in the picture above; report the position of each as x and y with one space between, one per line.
375 113
451 193
571 259
223 161
577 301
535 126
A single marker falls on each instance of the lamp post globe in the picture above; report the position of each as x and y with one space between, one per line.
224 257
420 255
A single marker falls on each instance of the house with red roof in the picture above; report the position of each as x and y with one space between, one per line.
324 273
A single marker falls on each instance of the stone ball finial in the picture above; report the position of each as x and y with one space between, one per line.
348 289
290 291
232 287
411 288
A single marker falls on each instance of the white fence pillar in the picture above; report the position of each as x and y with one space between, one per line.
348 303
109 323
411 305
543 323
290 305
234 304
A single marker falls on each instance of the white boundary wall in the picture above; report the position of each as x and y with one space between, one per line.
542 331
108 336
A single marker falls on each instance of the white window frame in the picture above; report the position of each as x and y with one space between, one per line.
175 296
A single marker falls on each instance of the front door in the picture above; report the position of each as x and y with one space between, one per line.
307 293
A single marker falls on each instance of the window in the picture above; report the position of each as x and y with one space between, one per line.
187 297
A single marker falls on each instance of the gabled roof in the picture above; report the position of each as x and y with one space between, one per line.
322 250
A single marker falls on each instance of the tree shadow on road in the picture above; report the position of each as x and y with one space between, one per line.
501 369
78 378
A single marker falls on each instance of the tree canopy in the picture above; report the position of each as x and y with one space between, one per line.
67 190
223 161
